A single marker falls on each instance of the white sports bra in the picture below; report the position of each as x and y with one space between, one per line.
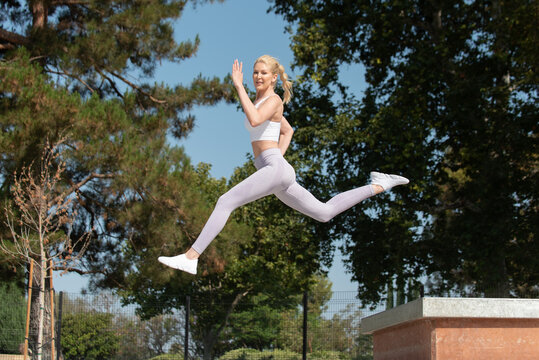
268 130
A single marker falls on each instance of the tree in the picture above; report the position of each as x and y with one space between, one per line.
255 324
144 198
40 226
291 333
142 340
250 257
77 69
89 336
94 51
330 334
137 339
451 101
161 332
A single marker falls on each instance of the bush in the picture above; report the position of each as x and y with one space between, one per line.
168 357
325 355
239 354
251 354
88 336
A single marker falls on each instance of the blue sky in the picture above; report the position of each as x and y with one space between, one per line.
239 29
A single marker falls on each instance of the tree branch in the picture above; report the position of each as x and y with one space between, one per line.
69 2
12 38
78 271
236 301
6 47
111 82
171 205
71 75
84 181
138 88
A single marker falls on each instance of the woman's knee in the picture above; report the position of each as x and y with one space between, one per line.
225 202
323 214
325 217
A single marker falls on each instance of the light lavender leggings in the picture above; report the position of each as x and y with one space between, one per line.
276 176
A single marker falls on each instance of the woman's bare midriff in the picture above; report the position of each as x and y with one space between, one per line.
262 145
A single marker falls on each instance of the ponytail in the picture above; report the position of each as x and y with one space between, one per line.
287 84
277 68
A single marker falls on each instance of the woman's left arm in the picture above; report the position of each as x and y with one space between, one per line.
286 135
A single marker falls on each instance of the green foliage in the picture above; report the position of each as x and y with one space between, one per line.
72 75
251 354
89 336
264 253
451 102
168 357
255 325
258 326
100 47
137 339
328 332
138 194
162 331
12 317
321 355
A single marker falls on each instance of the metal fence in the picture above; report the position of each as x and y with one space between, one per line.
99 326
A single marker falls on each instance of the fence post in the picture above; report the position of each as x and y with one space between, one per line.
26 334
305 310
59 326
186 342
51 286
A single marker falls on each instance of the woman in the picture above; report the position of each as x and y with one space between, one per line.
270 136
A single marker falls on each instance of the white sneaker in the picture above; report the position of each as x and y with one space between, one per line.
180 262
387 181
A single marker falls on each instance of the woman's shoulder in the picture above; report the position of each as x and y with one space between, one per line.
275 100
266 99
278 97
271 101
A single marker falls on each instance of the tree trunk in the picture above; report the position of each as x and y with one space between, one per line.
40 315
39 14
390 295
210 339
497 286
209 343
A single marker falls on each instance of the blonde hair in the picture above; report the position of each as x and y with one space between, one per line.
278 69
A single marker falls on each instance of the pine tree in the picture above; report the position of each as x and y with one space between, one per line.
89 54
81 70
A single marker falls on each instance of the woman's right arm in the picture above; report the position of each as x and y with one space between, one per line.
254 116
286 135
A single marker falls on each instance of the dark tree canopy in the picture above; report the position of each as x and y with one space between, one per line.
451 103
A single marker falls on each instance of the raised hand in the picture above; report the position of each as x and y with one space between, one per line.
237 73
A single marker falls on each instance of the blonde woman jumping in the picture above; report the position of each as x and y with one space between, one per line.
270 136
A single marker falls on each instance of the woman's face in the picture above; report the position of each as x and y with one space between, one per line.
263 78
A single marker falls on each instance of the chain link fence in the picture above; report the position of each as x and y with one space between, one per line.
99 326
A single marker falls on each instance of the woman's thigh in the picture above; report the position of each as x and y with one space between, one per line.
259 184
